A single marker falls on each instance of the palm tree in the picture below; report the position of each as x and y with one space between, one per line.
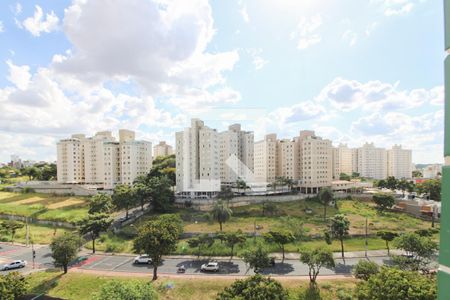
325 197
221 213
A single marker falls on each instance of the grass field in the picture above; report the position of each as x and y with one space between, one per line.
83 286
39 234
44 206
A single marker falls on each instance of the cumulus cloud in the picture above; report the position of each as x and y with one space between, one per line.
19 75
396 7
2 29
306 32
350 37
39 23
244 14
258 61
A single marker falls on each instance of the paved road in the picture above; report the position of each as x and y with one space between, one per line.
120 263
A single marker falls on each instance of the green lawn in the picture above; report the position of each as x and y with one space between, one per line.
39 234
44 206
84 286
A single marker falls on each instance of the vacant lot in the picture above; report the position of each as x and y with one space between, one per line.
83 286
44 206
39 234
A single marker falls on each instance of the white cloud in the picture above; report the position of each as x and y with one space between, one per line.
370 28
244 14
396 7
38 23
18 9
306 32
258 61
19 75
350 36
2 29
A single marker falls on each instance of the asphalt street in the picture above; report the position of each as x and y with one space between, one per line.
123 263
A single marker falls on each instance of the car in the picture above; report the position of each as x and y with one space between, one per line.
14 265
142 259
211 266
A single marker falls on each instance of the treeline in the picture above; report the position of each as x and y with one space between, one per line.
431 188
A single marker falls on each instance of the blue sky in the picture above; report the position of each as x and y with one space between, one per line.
352 70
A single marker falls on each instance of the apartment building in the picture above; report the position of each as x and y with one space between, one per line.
399 162
162 149
197 161
316 162
342 161
236 154
265 159
372 162
288 159
101 160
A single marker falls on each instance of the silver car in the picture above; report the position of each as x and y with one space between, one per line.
211 266
14 265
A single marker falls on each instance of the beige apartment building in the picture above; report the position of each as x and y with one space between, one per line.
236 154
342 161
162 149
399 162
101 160
197 161
288 159
265 159
372 162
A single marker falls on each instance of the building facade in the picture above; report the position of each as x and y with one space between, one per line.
101 160
162 149
265 159
342 161
399 162
372 162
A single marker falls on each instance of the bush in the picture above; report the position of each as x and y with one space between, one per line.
254 288
131 290
364 269
27 190
343 294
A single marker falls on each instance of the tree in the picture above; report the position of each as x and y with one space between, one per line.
391 183
94 225
344 176
161 193
226 194
325 197
234 238
255 287
47 172
12 286
316 259
432 187
65 249
100 203
393 284
164 166
355 175
257 259
339 229
364 269
417 174
269 207
220 213
141 193
381 184
156 238
292 224
383 201
419 250
131 290
387 236
31 172
123 198
11 227
201 242
241 184
281 238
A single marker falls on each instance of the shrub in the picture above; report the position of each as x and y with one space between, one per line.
364 269
254 288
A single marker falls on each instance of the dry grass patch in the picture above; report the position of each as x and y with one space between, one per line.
29 200
65 203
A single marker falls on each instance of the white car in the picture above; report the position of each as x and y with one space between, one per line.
14 265
142 259
211 266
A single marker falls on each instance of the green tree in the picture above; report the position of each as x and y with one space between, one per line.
292 224
94 225
344 176
365 268
201 242
257 259
241 184
232 239
269 207
226 194
123 198
31 172
164 166
387 236
396 284
381 184
255 287
64 249
100 203
325 197
12 286
220 213
419 250
141 193
156 238
432 187
391 183
339 229
355 175
315 260
281 238
47 172
383 201
11 227
126 290
417 174
161 193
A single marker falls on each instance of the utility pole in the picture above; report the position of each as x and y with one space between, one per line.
27 232
366 243
444 247
33 253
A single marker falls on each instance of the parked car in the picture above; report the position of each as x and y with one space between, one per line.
211 266
14 265
142 259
